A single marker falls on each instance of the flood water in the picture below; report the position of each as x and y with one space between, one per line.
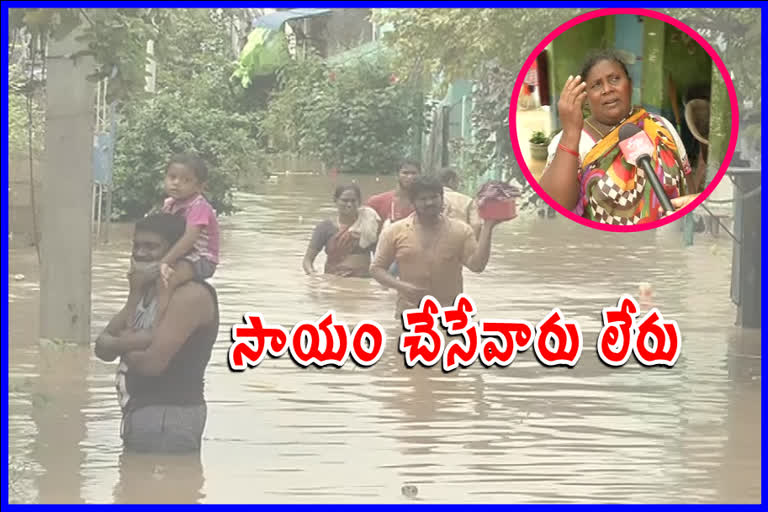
525 433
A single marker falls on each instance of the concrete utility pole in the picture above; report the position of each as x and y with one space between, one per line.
65 208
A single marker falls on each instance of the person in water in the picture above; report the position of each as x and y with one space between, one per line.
457 205
160 378
196 254
395 204
586 172
348 240
430 249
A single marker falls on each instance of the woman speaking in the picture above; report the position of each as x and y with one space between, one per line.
586 172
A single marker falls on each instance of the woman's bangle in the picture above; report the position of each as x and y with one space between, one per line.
570 151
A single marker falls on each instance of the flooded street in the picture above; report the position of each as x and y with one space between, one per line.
526 433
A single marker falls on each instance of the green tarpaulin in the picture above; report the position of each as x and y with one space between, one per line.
265 51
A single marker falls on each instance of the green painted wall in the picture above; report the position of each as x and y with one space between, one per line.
568 51
719 124
653 64
571 47
456 91
609 27
667 52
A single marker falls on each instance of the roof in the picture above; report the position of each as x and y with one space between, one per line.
275 20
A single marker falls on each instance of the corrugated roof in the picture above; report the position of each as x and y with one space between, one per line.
275 20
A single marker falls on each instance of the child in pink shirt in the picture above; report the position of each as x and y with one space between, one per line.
196 254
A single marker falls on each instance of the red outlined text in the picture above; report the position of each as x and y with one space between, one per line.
449 336
616 340
249 342
566 336
505 339
322 343
422 342
653 341
456 320
658 342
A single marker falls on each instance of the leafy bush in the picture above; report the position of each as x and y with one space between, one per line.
150 131
195 109
539 137
358 118
488 46
18 115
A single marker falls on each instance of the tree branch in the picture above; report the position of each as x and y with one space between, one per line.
87 18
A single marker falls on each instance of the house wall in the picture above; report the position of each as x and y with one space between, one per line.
340 31
665 53
680 70
460 116
653 65
719 126
686 62
629 35
348 28
568 52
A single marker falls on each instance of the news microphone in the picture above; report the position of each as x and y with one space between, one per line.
637 149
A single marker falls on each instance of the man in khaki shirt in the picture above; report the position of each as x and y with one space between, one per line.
430 249
457 205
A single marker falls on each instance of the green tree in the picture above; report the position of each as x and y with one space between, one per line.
21 103
116 38
174 121
359 117
490 46
736 35
458 43
194 109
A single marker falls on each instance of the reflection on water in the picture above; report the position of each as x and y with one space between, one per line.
523 433
148 479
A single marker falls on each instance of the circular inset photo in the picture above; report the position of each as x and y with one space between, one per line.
620 115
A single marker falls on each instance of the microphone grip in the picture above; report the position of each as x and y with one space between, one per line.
645 163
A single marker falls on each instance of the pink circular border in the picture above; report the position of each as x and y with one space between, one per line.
651 14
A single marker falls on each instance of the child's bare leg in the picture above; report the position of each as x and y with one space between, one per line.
183 271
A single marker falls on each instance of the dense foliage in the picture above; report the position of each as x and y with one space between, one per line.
115 38
736 35
358 117
489 46
172 121
20 105
194 107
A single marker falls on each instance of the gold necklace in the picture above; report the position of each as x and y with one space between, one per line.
602 135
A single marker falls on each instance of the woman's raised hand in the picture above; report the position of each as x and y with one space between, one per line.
570 105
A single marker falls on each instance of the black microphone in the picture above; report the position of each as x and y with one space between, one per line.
637 150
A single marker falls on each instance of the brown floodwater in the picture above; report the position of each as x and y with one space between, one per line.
525 433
